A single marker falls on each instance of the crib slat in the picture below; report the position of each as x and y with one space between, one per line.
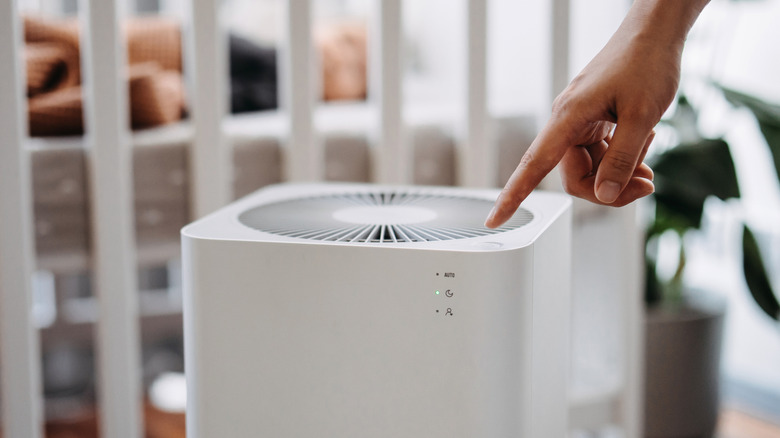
304 156
392 164
19 344
478 163
109 164
560 46
629 412
206 60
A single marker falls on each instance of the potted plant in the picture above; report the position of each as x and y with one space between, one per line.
683 327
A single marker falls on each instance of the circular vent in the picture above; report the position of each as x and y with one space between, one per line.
379 217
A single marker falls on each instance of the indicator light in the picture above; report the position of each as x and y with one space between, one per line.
437 292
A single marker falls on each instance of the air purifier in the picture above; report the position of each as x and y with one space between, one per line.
363 311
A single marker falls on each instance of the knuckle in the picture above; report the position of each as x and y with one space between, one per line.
621 161
648 114
528 158
562 104
536 161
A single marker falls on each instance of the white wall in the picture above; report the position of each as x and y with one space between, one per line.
736 43
519 40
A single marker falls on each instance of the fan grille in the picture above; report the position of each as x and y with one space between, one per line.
379 217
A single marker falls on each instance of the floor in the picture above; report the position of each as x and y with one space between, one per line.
735 424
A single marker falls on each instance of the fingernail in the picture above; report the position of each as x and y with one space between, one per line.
608 191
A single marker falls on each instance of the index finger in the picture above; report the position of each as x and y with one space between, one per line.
542 156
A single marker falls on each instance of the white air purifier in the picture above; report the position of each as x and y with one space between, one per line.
362 311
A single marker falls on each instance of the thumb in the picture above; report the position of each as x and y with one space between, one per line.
621 158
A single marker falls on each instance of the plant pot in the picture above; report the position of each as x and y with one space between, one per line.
682 362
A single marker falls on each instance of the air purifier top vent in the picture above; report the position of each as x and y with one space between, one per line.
382 216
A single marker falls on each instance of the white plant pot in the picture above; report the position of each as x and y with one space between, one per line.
682 362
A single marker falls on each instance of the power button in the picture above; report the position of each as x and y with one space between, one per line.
488 245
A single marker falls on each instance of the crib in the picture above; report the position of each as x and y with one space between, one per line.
111 201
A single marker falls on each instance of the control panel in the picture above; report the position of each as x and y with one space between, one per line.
444 294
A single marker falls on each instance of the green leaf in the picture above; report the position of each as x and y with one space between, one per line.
653 294
768 117
756 276
685 176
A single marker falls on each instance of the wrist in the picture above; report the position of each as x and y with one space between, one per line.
665 22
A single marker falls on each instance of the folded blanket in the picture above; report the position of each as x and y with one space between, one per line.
56 113
157 95
154 39
50 67
253 84
154 76
53 43
343 50
55 105
156 98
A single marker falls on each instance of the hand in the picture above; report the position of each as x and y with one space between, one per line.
602 124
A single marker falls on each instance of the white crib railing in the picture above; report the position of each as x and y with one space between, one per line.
19 351
108 144
478 158
303 161
391 157
205 60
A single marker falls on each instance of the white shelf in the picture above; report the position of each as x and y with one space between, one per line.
330 118
79 261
